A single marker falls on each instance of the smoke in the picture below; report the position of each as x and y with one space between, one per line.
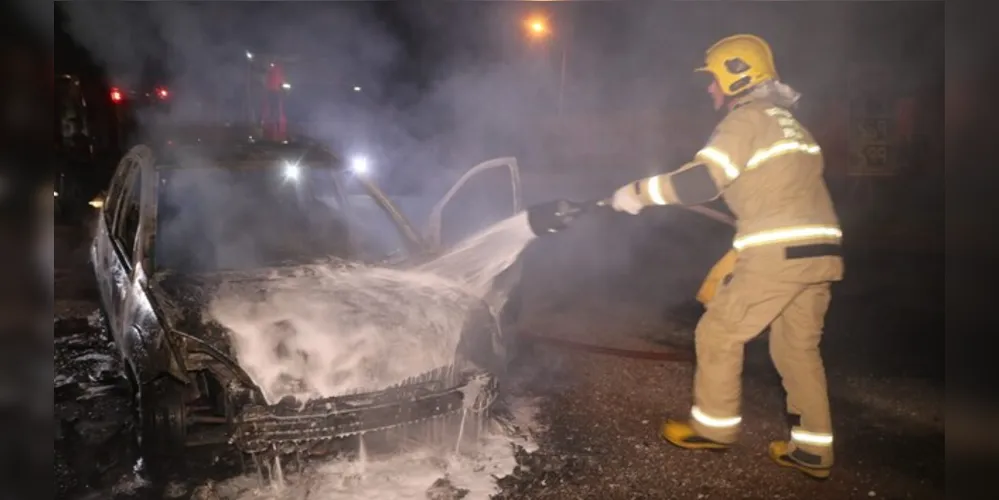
443 89
475 84
214 219
474 87
479 89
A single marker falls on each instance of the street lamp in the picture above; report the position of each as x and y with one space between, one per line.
249 87
537 27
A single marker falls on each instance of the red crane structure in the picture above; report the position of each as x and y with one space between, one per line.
273 122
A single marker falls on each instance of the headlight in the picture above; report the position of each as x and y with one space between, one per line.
97 202
291 171
359 165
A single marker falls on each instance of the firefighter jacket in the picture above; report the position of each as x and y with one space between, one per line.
769 170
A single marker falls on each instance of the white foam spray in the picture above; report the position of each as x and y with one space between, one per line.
362 328
345 330
358 328
477 260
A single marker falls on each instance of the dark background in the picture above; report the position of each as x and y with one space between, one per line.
448 84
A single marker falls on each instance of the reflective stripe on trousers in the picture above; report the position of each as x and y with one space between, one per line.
811 438
715 422
787 235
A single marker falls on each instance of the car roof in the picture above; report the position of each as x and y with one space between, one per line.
232 147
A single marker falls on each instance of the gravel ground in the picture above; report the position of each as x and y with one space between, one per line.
601 414
884 363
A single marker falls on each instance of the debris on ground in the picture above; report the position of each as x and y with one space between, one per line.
205 492
442 489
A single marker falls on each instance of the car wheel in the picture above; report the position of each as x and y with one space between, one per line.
105 325
161 423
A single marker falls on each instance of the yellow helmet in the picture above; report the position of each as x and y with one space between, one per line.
740 62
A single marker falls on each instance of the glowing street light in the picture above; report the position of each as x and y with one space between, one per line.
356 88
537 27
249 86
286 85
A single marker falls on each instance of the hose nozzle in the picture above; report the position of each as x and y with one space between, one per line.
554 216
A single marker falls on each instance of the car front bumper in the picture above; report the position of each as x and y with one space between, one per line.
285 428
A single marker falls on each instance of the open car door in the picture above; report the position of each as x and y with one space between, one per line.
486 194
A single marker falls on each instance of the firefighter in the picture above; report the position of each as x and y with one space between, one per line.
768 169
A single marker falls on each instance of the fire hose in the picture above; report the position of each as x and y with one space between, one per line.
667 354
555 216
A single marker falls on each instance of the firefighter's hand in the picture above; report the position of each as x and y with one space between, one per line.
626 199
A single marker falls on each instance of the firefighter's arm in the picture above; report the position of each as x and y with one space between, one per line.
714 167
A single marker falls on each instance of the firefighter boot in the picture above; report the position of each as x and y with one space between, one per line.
781 453
683 435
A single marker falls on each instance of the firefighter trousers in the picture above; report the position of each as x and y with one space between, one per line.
742 309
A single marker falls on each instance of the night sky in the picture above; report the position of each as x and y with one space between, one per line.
447 82
654 39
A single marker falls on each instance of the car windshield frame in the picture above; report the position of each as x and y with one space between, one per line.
378 229
161 244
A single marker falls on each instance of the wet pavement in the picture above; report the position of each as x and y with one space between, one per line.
598 415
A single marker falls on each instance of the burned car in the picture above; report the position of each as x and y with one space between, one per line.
260 217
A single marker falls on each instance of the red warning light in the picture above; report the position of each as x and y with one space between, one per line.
116 95
162 93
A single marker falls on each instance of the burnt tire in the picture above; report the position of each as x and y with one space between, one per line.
105 325
161 423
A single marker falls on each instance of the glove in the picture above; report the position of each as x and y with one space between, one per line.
626 199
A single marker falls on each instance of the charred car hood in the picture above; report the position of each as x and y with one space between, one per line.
185 298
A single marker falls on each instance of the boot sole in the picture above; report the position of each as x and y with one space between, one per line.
717 448
818 474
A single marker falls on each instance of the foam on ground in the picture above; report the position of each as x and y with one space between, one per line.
406 475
